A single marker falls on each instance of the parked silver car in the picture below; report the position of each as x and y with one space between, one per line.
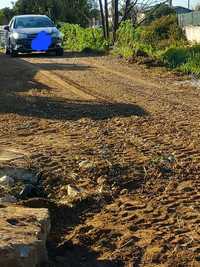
30 33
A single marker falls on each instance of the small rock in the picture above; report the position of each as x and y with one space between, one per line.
104 189
6 181
86 165
186 186
124 191
171 158
8 199
166 170
152 254
196 250
101 180
72 191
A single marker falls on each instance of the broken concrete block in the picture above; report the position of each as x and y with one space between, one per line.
23 234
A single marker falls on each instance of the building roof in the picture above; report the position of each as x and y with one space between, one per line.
181 9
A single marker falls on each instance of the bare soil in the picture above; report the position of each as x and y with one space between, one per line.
126 137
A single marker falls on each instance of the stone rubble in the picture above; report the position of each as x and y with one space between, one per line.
23 235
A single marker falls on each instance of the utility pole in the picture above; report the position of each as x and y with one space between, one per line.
170 3
189 4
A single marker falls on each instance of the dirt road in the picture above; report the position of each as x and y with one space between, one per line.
127 137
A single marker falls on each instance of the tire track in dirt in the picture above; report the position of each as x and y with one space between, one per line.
132 85
153 139
183 153
161 227
49 78
157 224
183 156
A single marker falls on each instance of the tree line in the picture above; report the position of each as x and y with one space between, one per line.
110 12
72 11
121 10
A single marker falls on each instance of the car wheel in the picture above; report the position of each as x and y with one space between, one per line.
60 52
7 51
13 53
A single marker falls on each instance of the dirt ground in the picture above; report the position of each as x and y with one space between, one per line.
126 139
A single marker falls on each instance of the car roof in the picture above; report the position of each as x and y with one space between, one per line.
26 16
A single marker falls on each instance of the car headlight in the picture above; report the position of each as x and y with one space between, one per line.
17 35
57 34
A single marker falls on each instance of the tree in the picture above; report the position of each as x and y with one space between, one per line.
157 12
115 17
106 19
1 17
131 8
197 7
8 14
59 10
123 10
102 18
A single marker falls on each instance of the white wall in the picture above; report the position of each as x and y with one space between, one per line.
192 33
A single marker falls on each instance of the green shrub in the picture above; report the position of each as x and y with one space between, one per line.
128 40
163 32
192 65
158 11
160 34
185 59
124 51
77 38
125 35
175 56
162 40
124 45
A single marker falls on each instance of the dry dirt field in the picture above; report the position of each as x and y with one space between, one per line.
117 150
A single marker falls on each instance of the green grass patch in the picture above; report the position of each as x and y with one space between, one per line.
77 38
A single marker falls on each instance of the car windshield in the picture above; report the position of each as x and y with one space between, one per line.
33 22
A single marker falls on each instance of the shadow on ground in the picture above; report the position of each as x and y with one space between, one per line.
70 255
62 66
18 77
62 109
67 54
63 219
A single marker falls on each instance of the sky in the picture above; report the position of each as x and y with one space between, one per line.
5 3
